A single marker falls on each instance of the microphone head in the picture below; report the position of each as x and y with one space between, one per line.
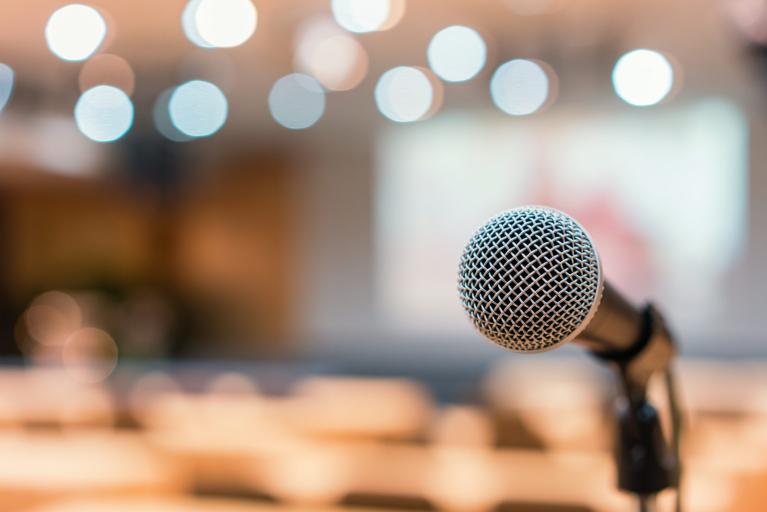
530 279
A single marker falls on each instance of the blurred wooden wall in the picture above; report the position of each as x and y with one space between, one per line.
223 246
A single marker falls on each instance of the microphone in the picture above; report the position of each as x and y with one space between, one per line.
531 280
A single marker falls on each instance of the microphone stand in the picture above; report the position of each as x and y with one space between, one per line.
646 461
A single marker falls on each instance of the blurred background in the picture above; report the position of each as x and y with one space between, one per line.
230 232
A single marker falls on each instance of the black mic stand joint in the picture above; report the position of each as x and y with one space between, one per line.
647 462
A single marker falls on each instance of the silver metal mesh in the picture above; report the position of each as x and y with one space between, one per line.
529 278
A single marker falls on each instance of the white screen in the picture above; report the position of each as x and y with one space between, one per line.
663 192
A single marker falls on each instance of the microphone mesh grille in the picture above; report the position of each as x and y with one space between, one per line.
529 279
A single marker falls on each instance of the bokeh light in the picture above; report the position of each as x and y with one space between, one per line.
189 24
643 77
52 317
74 32
104 113
107 69
367 15
198 108
519 87
219 23
457 53
405 94
749 16
6 84
162 120
297 101
226 23
328 53
89 355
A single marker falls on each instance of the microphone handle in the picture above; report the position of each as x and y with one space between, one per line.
636 340
615 327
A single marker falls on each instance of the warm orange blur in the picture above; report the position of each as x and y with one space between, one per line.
92 448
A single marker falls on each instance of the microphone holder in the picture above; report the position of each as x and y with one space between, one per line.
647 462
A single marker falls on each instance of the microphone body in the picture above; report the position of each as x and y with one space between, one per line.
615 325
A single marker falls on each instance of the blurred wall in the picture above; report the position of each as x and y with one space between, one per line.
294 237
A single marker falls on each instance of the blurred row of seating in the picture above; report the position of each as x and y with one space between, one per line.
539 434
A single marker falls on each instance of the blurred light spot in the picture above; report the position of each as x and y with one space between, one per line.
297 101
457 53
219 23
340 63
46 325
52 317
226 23
749 16
104 113
75 31
404 94
198 108
367 15
6 84
161 117
90 355
331 55
107 69
519 87
189 24
62 302
642 77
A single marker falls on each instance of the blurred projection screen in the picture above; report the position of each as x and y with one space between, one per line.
663 193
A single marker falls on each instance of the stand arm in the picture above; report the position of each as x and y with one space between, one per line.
646 463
